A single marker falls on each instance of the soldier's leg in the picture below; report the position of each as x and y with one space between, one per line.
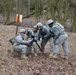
51 47
43 43
34 48
62 40
65 47
17 50
51 44
29 50
24 49
23 52
57 44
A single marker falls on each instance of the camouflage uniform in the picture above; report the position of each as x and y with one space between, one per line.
44 33
61 38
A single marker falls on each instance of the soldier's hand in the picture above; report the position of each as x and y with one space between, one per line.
28 43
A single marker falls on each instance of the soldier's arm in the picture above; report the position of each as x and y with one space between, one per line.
46 30
56 32
21 41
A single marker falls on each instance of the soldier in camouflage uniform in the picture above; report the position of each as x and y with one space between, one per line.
44 34
60 38
20 45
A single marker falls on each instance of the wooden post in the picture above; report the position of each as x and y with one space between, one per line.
17 20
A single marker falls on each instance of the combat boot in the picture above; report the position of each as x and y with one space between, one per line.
65 57
23 56
55 56
51 55
35 54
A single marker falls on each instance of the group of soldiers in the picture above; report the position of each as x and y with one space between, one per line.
51 31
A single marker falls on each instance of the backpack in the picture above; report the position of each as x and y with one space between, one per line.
59 27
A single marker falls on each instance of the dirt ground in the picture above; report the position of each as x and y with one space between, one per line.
40 65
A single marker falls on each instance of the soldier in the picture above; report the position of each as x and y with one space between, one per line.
44 34
33 34
20 45
60 38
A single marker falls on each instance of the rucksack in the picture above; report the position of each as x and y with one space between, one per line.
59 27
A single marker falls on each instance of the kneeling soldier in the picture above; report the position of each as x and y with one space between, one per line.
20 45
